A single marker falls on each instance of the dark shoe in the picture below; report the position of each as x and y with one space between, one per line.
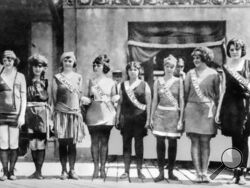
160 177
125 175
39 176
171 176
33 176
36 175
103 173
140 174
64 175
73 175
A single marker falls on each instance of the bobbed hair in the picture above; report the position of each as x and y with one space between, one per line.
238 43
133 64
206 54
104 60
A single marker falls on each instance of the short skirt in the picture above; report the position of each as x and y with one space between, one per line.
8 119
165 123
197 120
68 125
36 118
134 125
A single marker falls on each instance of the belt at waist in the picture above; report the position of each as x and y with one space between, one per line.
29 104
170 108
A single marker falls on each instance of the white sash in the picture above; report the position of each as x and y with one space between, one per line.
237 76
198 91
243 81
66 83
166 87
100 95
131 94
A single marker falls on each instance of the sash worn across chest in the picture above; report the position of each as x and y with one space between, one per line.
99 93
166 87
131 95
237 77
199 93
66 83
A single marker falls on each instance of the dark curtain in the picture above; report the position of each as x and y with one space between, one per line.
146 39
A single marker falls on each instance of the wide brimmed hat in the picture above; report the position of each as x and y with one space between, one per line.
68 54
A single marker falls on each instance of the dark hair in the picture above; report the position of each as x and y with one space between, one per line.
131 64
32 61
238 44
206 54
104 60
16 62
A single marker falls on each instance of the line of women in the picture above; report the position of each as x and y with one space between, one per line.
195 104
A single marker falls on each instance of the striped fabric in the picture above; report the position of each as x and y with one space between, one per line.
69 125
8 118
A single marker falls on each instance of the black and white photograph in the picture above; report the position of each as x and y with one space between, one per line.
124 93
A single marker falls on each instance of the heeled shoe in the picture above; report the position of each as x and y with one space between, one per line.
159 178
95 173
102 173
73 175
205 178
171 176
12 176
5 174
64 175
241 179
140 174
235 178
36 175
198 178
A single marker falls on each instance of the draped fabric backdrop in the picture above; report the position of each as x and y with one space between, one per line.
146 39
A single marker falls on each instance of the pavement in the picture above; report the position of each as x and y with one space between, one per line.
52 171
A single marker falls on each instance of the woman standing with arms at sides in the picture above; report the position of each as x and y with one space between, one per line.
38 111
201 99
133 115
233 108
68 121
100 116
12 112
167 115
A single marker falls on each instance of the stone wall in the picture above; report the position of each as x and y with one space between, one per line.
90 30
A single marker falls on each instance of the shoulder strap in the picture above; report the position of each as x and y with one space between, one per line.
66 83
131 95
167 92
1 71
